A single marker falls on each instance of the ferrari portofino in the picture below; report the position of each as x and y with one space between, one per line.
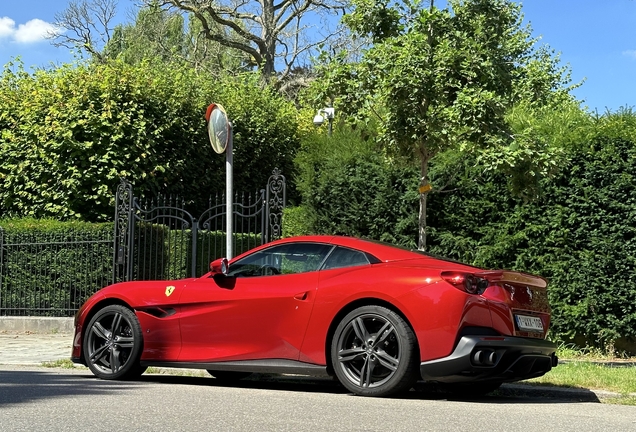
376 316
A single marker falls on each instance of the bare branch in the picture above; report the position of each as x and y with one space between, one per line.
198 12
87 26
269 31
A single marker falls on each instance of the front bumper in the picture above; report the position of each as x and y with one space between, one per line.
490 358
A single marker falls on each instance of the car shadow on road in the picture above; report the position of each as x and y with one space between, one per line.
22 386
508 394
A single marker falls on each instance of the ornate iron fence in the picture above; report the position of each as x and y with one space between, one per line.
159 239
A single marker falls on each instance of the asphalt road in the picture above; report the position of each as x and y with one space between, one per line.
40 399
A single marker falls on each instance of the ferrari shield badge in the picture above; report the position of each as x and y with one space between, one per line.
169 290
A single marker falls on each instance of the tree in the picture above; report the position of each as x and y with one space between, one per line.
439 79
170 36
87 26
265 30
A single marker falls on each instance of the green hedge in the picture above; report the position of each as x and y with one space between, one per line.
350 188
68 134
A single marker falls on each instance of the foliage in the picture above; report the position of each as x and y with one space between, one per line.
543 137
68 135
448 76
297 221
349 188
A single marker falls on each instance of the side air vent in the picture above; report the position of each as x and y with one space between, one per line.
159 312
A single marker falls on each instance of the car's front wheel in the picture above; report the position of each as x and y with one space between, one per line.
113 342
374 352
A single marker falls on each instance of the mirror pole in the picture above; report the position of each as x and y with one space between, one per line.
229 178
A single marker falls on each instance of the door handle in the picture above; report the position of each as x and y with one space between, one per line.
301 296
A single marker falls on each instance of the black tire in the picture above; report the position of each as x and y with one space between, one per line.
228 376
113 342
374 352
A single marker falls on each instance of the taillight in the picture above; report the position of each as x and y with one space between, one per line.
466 282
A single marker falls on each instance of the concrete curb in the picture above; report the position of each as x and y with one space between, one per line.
36 325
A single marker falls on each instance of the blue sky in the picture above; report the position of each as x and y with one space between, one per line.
597 38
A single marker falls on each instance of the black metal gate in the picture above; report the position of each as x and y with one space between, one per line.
159 239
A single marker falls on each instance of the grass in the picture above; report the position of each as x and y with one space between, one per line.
621 400
63 364
593 376
594 369
177 372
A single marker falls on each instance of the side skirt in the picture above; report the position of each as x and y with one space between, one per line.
277 366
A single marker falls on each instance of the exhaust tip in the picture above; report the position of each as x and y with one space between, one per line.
485 358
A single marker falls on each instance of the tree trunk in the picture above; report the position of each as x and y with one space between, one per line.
268 36
423 195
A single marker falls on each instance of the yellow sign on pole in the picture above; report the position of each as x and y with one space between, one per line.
426 188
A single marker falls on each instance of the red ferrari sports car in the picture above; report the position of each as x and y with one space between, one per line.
376 316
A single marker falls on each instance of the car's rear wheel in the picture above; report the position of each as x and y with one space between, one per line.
113 343
228 376
374 352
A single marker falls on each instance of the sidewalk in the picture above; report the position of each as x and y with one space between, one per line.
34 340
28 348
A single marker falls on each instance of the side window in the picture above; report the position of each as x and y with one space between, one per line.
343 257
287 258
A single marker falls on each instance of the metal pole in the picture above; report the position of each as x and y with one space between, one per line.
229 178
195 232
1 258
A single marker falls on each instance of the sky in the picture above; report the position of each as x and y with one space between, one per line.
596 38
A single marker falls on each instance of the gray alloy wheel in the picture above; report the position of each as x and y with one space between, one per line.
374 352
113 343
228 376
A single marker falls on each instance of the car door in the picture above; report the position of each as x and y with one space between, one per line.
259 310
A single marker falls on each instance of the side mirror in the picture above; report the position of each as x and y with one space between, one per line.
220 266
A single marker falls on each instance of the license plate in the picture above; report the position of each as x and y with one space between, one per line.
529 323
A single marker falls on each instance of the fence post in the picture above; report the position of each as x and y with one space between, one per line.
264 217
122 241
276 190
193 260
